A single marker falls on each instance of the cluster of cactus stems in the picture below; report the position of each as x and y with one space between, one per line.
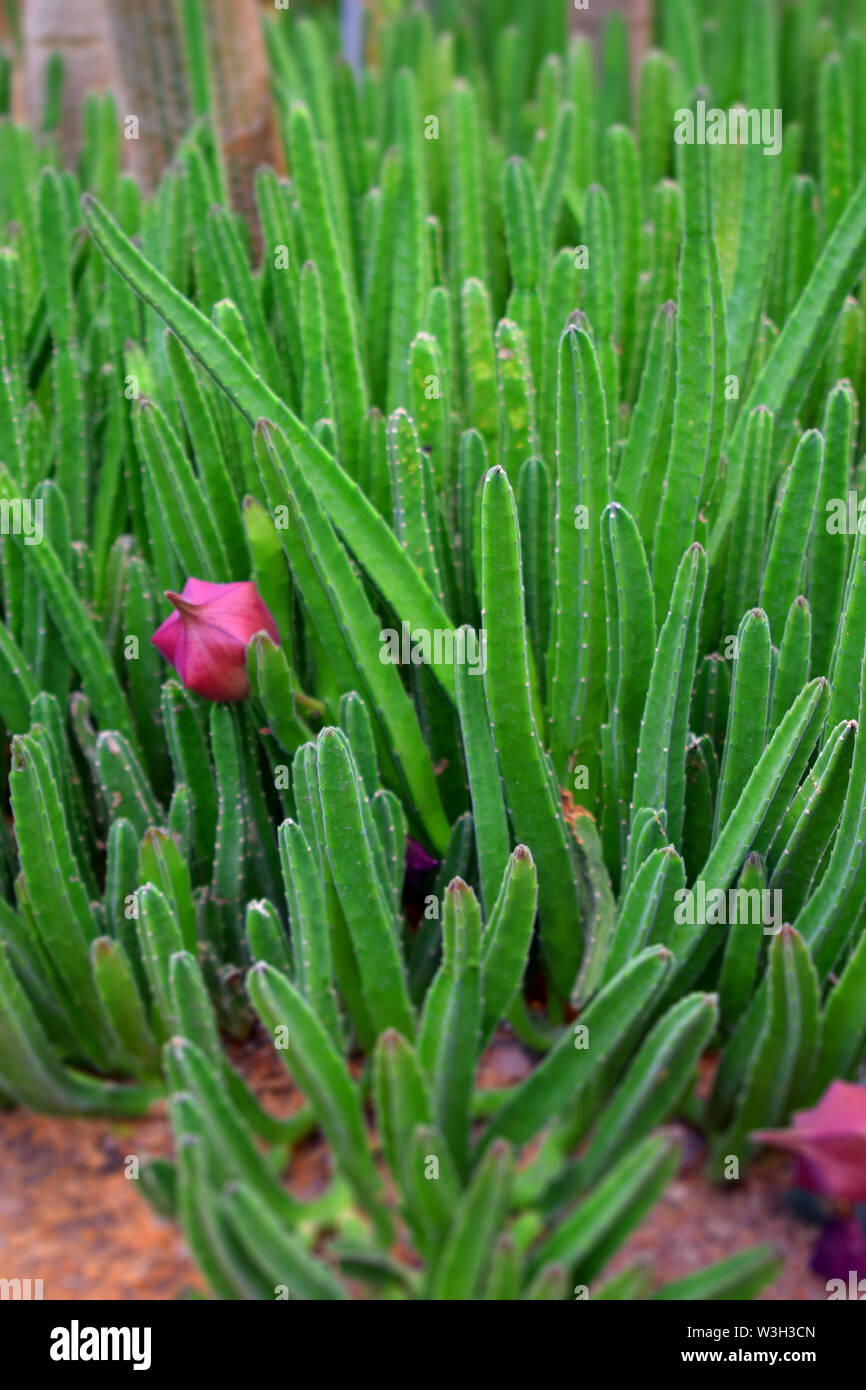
512 368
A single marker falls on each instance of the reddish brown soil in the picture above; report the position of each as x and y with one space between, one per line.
696 1222
70 1217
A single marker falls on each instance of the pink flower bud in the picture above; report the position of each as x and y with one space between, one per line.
206 638
829 1143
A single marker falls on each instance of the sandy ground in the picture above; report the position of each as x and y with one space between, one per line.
70 1217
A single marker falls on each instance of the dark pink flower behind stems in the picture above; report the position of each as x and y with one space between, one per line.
840 1250
206 638
829 1142
418 862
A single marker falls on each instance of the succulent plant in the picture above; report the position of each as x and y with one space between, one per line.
508 474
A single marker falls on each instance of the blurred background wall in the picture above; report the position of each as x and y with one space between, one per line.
139 48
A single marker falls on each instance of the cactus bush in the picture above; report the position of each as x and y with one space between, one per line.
508 504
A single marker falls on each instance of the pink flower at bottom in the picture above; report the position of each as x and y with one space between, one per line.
829 1142
206 638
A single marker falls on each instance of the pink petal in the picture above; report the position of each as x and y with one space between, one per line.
829 1142
205 639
